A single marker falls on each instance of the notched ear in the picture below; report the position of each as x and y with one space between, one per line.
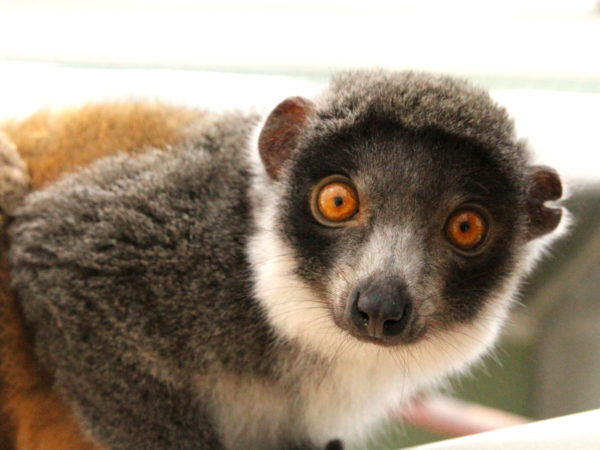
545 186
279 136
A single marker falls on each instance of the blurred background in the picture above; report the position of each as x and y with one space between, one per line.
540 58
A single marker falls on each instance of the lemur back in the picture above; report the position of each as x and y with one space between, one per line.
49 145
275 289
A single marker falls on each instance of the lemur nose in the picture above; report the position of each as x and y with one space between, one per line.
380 309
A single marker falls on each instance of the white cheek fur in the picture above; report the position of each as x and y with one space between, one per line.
363 381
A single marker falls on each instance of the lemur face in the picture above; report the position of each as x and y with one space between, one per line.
399 213
400 232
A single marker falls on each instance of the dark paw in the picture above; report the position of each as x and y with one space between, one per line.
335 444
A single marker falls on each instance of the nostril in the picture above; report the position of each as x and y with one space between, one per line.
363 316
395 326
389 324
359 317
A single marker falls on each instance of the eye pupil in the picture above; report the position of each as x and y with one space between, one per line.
466 229
334 203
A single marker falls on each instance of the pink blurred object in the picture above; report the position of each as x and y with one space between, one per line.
453 418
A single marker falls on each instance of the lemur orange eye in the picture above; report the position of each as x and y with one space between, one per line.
335 202
466 229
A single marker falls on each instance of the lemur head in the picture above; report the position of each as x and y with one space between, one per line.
396 210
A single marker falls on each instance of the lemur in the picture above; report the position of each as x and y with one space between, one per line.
181 279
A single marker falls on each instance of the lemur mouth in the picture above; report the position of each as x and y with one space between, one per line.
411 334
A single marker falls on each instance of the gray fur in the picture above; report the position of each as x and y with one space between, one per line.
419 101
127 269
140 279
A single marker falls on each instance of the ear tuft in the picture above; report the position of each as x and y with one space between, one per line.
279 136
545 186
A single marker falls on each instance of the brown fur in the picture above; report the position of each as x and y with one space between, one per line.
53 144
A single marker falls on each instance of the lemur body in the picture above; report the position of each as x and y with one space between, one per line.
207 296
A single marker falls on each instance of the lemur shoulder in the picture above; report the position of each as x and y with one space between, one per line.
185 279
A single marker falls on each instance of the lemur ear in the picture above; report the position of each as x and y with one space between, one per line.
545 186
279 136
